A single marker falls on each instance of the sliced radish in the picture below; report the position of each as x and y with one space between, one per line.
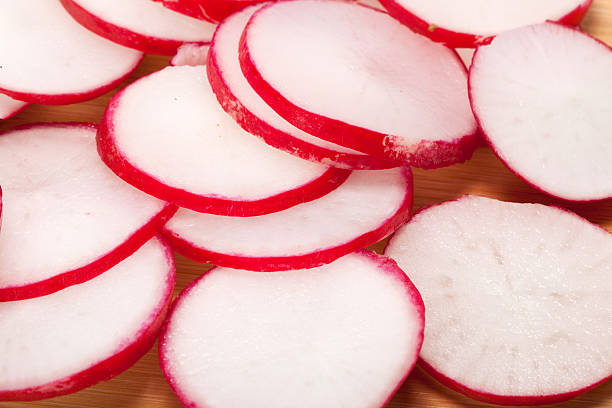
469 23
51 59
549 119
66 218
10 107
342 335
354 76
190 54
366 208
84 334
140 24
518 298
167 135
253 114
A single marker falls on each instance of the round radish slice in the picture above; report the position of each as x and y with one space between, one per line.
10 107
518 298
52 60
167 135
84 334
366 208
354 76
66 217
469 23
342 335
536 120
140 24
253 114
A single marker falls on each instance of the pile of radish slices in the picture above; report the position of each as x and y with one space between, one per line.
277 145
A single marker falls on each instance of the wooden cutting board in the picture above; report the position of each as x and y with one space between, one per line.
143 386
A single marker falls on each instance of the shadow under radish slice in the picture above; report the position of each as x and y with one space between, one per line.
66 218
250 111
342 335
140 24
354 76
367 207
9 107
49 58
72 339
517 296
167 135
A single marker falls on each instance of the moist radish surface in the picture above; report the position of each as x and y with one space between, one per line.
49 58
342 335
518 298
10 106
167 135
550 126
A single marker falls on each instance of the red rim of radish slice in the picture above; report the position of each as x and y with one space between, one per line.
288 141
10 107
314 253
127 353
94 267
141 41
387 265
191 8
456 39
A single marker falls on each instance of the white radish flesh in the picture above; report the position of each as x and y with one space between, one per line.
190 54
10 107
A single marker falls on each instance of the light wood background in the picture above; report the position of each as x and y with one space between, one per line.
143 385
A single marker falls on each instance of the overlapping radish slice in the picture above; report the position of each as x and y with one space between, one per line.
548 120
366 208
518 298
140 24
354 76
10 107
167 135
473 22
342 335
238 98
49 58
66 218
84 334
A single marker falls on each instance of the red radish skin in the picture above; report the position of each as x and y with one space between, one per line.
10 107
191 8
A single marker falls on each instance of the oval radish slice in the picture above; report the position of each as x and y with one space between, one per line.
369 206
469 23
535 120
518 298
66 217
52 60
140 24
342 335
240 100
9 107
167 135
84 334
354 76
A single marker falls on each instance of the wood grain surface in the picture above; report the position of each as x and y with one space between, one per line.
143 385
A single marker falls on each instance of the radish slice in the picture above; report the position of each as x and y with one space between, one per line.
469 23
536 120
190 54
140 24
342 335
9 107
240 100
354 76
167 135
52 60
72 339
366 208
66 217
518 298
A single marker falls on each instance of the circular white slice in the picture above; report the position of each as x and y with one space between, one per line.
518 298
342 335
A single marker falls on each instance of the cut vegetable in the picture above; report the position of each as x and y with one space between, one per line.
140 24
474 22
167 135
52 60
238 99
518 298
366 208
190 54
342 335
84 334
9 107
66 218
354 76
548 120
